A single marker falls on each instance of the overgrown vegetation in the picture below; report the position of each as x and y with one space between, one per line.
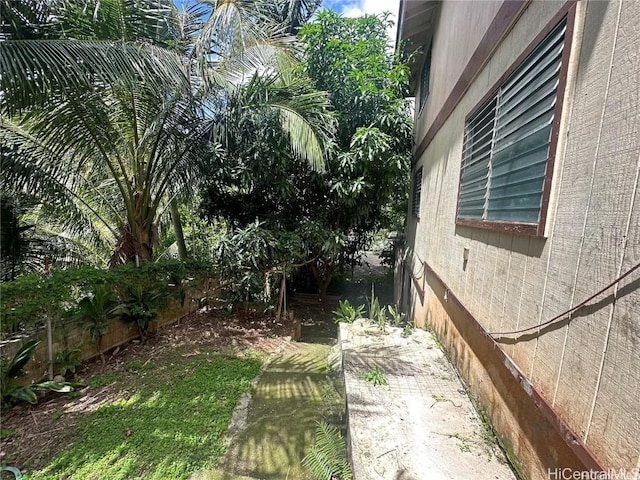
324 217
28 301
168 421
111 143
121 117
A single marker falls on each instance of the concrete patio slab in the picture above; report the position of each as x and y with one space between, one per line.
422 424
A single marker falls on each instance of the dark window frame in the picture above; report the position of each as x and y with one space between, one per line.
416 193
538 228
425 80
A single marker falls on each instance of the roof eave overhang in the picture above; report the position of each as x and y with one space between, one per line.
416 23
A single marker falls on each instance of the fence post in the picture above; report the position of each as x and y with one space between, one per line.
50 347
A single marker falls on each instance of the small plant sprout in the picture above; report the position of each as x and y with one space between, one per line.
377 314
407 331
397 316
376 376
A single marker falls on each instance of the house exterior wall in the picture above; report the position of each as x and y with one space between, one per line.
587 370
452 49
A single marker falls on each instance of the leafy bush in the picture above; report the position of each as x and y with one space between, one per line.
347 313
96 311
28 301
248 256
67 361
139 308
12 370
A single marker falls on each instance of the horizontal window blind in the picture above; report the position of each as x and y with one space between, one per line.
506 144
424 79
417 188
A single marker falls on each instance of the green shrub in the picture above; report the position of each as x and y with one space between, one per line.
347 313
67 361
96 311
28 301
376 376
139 308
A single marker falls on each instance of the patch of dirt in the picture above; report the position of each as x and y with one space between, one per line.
44 430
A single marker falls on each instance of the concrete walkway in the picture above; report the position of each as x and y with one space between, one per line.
421 425
276 423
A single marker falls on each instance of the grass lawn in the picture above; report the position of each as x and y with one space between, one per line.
167 420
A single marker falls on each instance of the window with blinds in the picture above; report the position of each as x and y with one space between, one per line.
506 144
415 196
424 79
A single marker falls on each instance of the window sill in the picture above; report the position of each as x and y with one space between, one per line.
531 229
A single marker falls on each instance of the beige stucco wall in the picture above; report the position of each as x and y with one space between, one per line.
589 369
452 49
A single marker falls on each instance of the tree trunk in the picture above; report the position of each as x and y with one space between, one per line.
322 278
135 248
177 228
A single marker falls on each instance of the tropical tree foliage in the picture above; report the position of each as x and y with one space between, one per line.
116 112
367 82
364 184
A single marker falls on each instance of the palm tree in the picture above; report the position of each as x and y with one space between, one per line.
121 106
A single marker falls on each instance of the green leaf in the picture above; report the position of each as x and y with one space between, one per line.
23 394
20 359
53 386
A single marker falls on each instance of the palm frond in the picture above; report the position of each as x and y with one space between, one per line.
303 114
22 20
79 202
127 20
239 38
36 71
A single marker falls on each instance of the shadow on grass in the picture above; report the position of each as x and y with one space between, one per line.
168 422
292 393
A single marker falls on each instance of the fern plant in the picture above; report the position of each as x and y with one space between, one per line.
326 459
